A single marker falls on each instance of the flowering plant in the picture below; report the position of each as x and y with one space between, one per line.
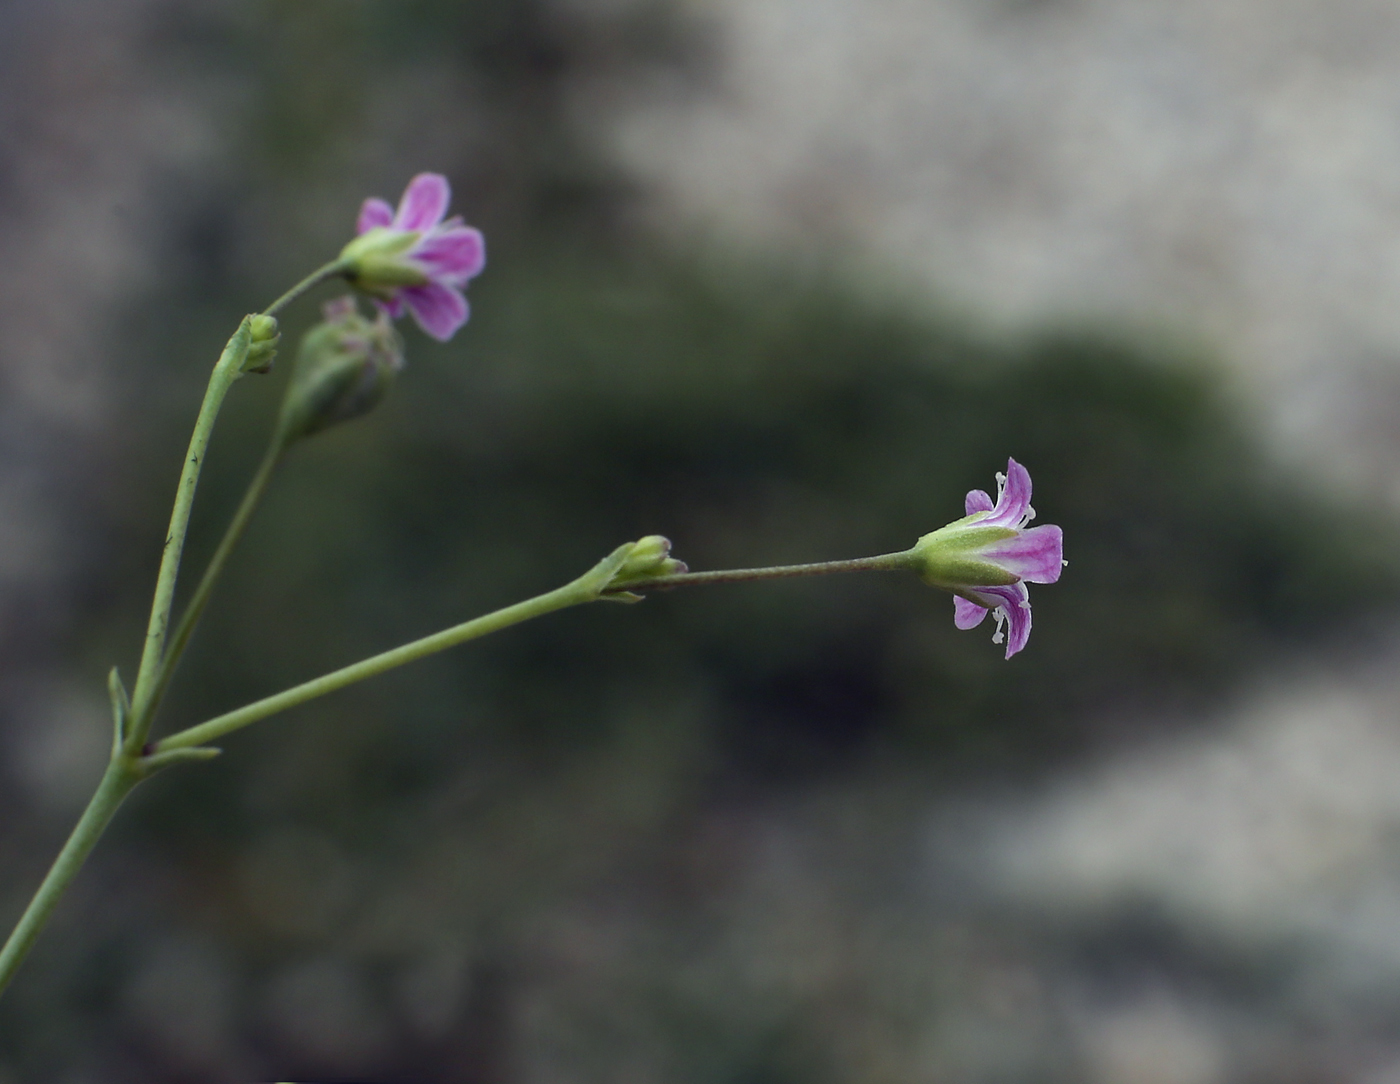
411 258
987 558
415 260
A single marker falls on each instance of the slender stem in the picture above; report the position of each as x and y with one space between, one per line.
153 674
125 771
585 589
570 595
127 767
180 639
116 784
886 562
320 275
226 371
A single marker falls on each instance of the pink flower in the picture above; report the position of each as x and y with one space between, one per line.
987 558
411 258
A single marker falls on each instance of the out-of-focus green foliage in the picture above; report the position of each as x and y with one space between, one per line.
753 420
605 389
757 421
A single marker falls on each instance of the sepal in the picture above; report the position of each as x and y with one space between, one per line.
955 556
376 263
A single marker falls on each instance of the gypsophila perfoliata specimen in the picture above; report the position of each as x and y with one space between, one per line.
344 368
412 258
987 558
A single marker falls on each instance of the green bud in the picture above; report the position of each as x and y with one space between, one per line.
374 261
263 337
650 556
344 367
951 557
647 559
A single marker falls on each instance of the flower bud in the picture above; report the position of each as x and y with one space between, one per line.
344 367
262 344
646 559
650 556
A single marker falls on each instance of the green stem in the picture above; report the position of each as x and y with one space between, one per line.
127 766
226 371
154 673
320 275
180 639
120 777
125 771
587 588
885 562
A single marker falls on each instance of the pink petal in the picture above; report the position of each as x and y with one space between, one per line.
373 212
393 306
1014 501
967 615
424 202
452 256
440 310
1012 604
1015 603
977 501
1035 554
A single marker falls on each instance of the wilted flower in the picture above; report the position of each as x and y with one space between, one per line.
411 258
987 558
344 368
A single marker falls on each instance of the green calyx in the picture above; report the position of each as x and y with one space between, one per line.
344 368
951 557
374 261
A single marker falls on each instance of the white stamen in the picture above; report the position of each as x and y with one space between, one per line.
999 616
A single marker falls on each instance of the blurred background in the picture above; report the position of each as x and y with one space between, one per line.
781 280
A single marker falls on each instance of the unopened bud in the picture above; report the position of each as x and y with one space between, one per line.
651 556
344 367
263 337
648 559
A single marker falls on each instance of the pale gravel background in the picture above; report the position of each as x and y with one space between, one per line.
1227 171
87 132
1222 172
